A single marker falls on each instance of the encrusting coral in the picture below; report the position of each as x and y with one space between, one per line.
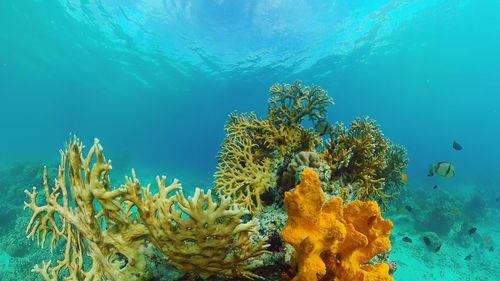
110 234
331 241
363 157
195 234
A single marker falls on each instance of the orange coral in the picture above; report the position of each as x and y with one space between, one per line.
332 241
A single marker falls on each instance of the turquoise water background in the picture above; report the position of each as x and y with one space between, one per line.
155 80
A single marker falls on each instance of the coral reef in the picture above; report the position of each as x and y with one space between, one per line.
290 104
197 234
91 218
268 137
301 161
253 146
112 227
257 130
331 241
241 174
396 160
135 233
363 157
292 139
356 163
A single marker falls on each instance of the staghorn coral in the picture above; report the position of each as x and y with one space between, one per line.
91 218
331 241
363 157
290 104
197 234
241 174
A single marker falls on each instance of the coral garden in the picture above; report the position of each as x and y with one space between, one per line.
288 203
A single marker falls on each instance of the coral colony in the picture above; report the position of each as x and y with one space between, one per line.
276 182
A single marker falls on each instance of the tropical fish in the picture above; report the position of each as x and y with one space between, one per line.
438 248
407 239
404 177
457 213
472 230
491 249
434 187
444 169
488 240
400 209
427 240
468 257
457 146
409 208
323 128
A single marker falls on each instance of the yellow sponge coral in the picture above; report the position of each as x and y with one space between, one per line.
331 241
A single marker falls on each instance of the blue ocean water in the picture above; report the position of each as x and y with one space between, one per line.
155 81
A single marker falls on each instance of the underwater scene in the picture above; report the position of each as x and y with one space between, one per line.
190 140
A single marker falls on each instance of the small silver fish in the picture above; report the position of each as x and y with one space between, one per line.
444 169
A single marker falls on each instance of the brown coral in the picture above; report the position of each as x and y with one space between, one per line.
363 157
287 140
241 174
290 104
308 159
331 241
269 138
259 131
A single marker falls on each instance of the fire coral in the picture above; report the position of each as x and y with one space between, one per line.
331 241
96 220
91 218
362 156
290 104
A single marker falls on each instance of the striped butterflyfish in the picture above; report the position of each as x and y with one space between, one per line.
444 169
